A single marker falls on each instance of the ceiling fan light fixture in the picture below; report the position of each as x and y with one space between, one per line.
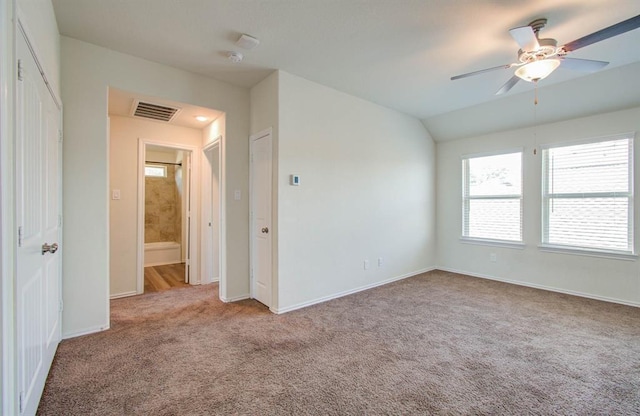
537 70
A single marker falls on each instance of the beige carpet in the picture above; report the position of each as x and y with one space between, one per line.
438 343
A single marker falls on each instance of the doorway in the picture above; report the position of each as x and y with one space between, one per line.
166 218
130 136
167 230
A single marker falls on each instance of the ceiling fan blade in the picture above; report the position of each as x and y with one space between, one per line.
482 71
582 65
526 38
508 85
606 33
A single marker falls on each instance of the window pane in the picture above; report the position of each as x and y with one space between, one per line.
492 195
498 219
157 171
588 195
588 168
589 222
495 175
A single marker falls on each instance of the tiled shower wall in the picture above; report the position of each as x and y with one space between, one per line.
163 209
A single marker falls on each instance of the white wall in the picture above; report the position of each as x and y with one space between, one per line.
367 191
87 72
611 279
123 213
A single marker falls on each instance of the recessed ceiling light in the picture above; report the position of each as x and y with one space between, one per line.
202 118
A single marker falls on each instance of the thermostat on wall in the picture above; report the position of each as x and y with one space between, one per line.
295 180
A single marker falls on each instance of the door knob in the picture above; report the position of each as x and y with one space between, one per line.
46 248
265 230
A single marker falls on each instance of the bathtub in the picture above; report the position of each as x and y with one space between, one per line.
163 252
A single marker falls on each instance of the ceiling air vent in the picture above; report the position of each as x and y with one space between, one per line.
154 111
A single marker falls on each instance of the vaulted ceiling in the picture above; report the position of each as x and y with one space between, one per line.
397 53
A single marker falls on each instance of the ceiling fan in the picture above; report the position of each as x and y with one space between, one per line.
537 58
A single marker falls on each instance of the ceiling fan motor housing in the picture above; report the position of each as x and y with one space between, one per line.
547 49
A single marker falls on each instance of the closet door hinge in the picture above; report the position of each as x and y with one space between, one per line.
20 236
59 136
61 308
20 401
20 75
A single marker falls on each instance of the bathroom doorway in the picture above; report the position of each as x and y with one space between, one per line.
166 218
166 232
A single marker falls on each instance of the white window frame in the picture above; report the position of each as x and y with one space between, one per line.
152 165
546 195
519 244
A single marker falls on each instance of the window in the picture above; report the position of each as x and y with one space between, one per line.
155 171
492 197
587 195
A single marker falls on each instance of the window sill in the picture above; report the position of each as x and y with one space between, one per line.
588 252
494 243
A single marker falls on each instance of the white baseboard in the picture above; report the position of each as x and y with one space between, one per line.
235 298
542 287
91 330
123 295
348 292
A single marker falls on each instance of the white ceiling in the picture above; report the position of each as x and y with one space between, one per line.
397 53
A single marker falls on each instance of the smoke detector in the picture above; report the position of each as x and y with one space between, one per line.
235 57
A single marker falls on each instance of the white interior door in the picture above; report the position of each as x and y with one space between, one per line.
261 218
186 215
38 277
211 214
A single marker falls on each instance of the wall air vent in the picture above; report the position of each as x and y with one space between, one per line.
154 111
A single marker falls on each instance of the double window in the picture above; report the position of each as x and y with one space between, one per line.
492 197
587 195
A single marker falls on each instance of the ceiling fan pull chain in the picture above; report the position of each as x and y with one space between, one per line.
535 118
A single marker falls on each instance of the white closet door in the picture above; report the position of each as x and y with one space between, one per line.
38 208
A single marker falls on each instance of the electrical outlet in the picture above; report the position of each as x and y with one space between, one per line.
493 257
366 264
380 262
